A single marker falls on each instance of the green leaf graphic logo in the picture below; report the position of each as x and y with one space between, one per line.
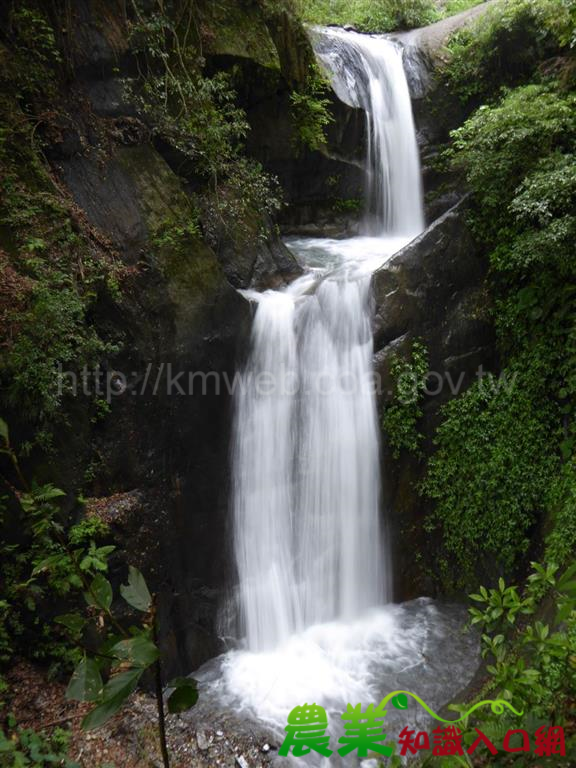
400 701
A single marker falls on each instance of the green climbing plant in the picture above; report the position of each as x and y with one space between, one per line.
403 414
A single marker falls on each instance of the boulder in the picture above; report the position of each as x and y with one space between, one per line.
432 290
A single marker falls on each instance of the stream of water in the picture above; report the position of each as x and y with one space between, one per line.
310 541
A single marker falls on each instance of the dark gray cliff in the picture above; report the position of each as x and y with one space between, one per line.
155 463
433 290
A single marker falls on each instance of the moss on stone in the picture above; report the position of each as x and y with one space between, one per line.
191 268
238 29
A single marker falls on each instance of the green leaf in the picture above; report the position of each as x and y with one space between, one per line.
100 594
72 621
140 651
120 683
86 682
400 701
48 492
184 696
4 432
49 562
567 576
115 693
136 592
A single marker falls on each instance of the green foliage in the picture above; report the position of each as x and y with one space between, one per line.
205 126
501 605
370 16
174 235
136 591
22 747
53 332
505 456
39 558
184 695
499 146
402 415
561 506
310 114
532 663
34 54
52 265
241 208
196 114
560 17
199 117
493 467
452 7
502 48
125 654
349 205
48 560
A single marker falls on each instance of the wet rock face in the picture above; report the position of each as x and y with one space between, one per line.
166 439
318 185
159 461
432 290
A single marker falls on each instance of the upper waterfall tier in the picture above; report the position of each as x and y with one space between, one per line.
367 72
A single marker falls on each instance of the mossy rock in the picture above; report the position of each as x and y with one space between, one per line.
238 29
159 191
192 272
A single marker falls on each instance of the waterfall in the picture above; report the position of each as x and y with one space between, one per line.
306 467
310 540
367 72
308 537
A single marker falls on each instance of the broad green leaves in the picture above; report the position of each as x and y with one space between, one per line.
86 682
118 688
139 651
73 622
184 696
124 660
136 591
100 593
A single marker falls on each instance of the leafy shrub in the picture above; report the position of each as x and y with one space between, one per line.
40 558
241 208
310 114
402 415
53 331
500 145
561 504
199 116
35 56
53 266
494 485
493 467
26 747
531 661
369 16
502 48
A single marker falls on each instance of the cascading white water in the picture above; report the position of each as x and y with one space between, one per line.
263 489
308 543
367 72
306 465
312 556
